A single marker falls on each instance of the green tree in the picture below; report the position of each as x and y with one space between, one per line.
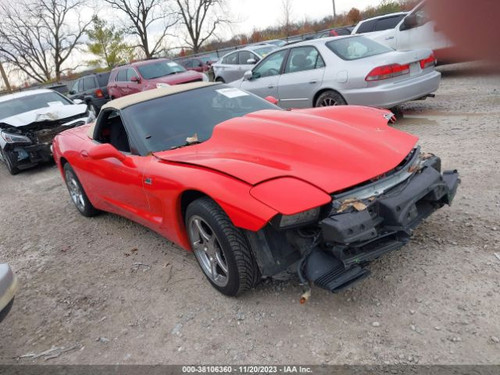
107 43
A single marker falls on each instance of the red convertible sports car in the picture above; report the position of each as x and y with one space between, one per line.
254 190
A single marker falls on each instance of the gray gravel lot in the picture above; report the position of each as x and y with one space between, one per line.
435 301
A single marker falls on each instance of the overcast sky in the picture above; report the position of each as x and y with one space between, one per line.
260 14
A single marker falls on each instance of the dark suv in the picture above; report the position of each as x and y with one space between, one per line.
92 89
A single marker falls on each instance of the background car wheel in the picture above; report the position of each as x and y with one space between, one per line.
220 79
77 193
6 156
329 98
221 249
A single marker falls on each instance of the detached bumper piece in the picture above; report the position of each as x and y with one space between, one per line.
363 232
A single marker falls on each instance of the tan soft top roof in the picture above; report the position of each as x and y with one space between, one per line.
140 97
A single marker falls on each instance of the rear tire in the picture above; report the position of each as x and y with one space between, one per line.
77 193
220 79
6 156
329 98
221 249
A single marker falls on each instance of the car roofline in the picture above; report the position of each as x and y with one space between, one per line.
144 96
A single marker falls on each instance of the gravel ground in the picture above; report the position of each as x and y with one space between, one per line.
110 291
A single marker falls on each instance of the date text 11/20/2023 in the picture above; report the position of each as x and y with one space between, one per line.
252 369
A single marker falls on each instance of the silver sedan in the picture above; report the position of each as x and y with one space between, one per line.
233 65
342 70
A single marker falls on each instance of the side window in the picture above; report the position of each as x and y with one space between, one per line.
244 56
366 27
75 86
110 129
131 73
271 65
89 83
122 75
387 23
231 59
303 58
188 64
421 17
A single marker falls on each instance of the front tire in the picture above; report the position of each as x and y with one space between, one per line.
220 79
329 98
221 249
77 193
6 156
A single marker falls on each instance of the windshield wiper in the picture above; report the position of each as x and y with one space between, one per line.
169 74
189 141
186 144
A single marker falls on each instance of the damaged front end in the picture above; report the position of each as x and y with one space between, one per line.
28 145
358 226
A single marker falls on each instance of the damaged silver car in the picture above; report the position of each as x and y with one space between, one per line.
30 120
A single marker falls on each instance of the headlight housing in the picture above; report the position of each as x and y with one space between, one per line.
14 138
304 217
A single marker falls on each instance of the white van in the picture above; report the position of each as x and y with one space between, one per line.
416 31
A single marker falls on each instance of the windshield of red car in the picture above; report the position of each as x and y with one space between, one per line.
29 103
356 48
172 121
159 69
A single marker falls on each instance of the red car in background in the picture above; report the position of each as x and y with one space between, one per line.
254 190
149 74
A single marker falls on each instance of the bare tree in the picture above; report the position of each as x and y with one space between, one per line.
144 17
201 18
37 38
287 15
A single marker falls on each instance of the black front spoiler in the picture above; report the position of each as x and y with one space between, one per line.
351 239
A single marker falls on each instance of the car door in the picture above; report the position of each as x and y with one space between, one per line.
265 75
89 86
421 33
117 184
243 64
302 77
120 83
133 87
229 68
76 90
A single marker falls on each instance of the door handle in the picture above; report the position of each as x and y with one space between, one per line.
313 82
84 154
270 87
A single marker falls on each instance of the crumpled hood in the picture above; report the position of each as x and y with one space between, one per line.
51 113
332 148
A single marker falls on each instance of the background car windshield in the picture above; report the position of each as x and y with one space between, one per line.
165 123
356 48
262 52
160 69
29 103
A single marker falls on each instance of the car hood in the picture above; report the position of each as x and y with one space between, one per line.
52 113
175 79
331 148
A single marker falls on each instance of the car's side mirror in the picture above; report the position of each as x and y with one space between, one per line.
248 75
135 79
106 150
272 100
251 61
410 22
78 101
72 92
